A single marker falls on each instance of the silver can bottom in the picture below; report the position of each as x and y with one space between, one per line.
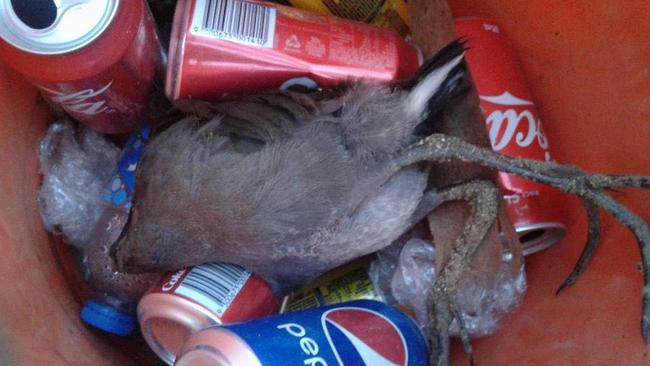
536 237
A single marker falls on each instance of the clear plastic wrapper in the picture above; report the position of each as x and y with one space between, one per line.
112 306
76 163
413 277
488 292
86 197
484 302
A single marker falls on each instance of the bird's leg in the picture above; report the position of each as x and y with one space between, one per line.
593 239
590 187
443 148
464 334
483 197
429 202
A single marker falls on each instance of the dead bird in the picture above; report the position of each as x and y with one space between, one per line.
277 180
290 185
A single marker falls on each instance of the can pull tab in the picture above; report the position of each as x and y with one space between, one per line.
64 5
36 14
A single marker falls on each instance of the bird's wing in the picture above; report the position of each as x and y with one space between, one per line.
206 189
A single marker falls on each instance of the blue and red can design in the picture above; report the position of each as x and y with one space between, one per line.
355 333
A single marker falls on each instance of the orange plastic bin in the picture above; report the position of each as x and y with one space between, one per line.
588 64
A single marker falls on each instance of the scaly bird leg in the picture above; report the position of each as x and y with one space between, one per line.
593 239
464 334
483 197
590 187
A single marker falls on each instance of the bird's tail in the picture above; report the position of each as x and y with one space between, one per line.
436 81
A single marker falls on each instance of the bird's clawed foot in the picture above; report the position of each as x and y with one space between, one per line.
591 188
484 198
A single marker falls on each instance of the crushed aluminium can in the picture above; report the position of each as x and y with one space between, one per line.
346 283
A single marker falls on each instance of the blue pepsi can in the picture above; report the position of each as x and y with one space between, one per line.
357 333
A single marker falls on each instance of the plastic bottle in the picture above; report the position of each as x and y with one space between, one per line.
112 305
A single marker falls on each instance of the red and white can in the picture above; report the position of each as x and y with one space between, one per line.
95 58
221 47
195 298
515 129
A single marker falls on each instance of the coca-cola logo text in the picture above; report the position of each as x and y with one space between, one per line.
173 280
79 101
507 125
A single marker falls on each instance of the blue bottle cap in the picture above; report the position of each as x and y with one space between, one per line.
107 318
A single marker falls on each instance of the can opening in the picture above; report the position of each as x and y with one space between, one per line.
536 237
167 337
203 356
531 235
36 14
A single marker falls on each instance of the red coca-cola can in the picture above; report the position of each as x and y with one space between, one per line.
515 129
95 58
221 47
195 298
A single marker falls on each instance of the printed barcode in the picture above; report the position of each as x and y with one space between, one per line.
214 285
235 20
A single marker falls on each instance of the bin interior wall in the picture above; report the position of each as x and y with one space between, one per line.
39 321
588 65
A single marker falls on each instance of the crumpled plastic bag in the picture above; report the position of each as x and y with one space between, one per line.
413 277
76 164
406 272
387 262
484 303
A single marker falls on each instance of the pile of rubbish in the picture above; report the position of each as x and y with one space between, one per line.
263 203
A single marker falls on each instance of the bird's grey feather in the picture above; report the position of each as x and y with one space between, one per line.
283 184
